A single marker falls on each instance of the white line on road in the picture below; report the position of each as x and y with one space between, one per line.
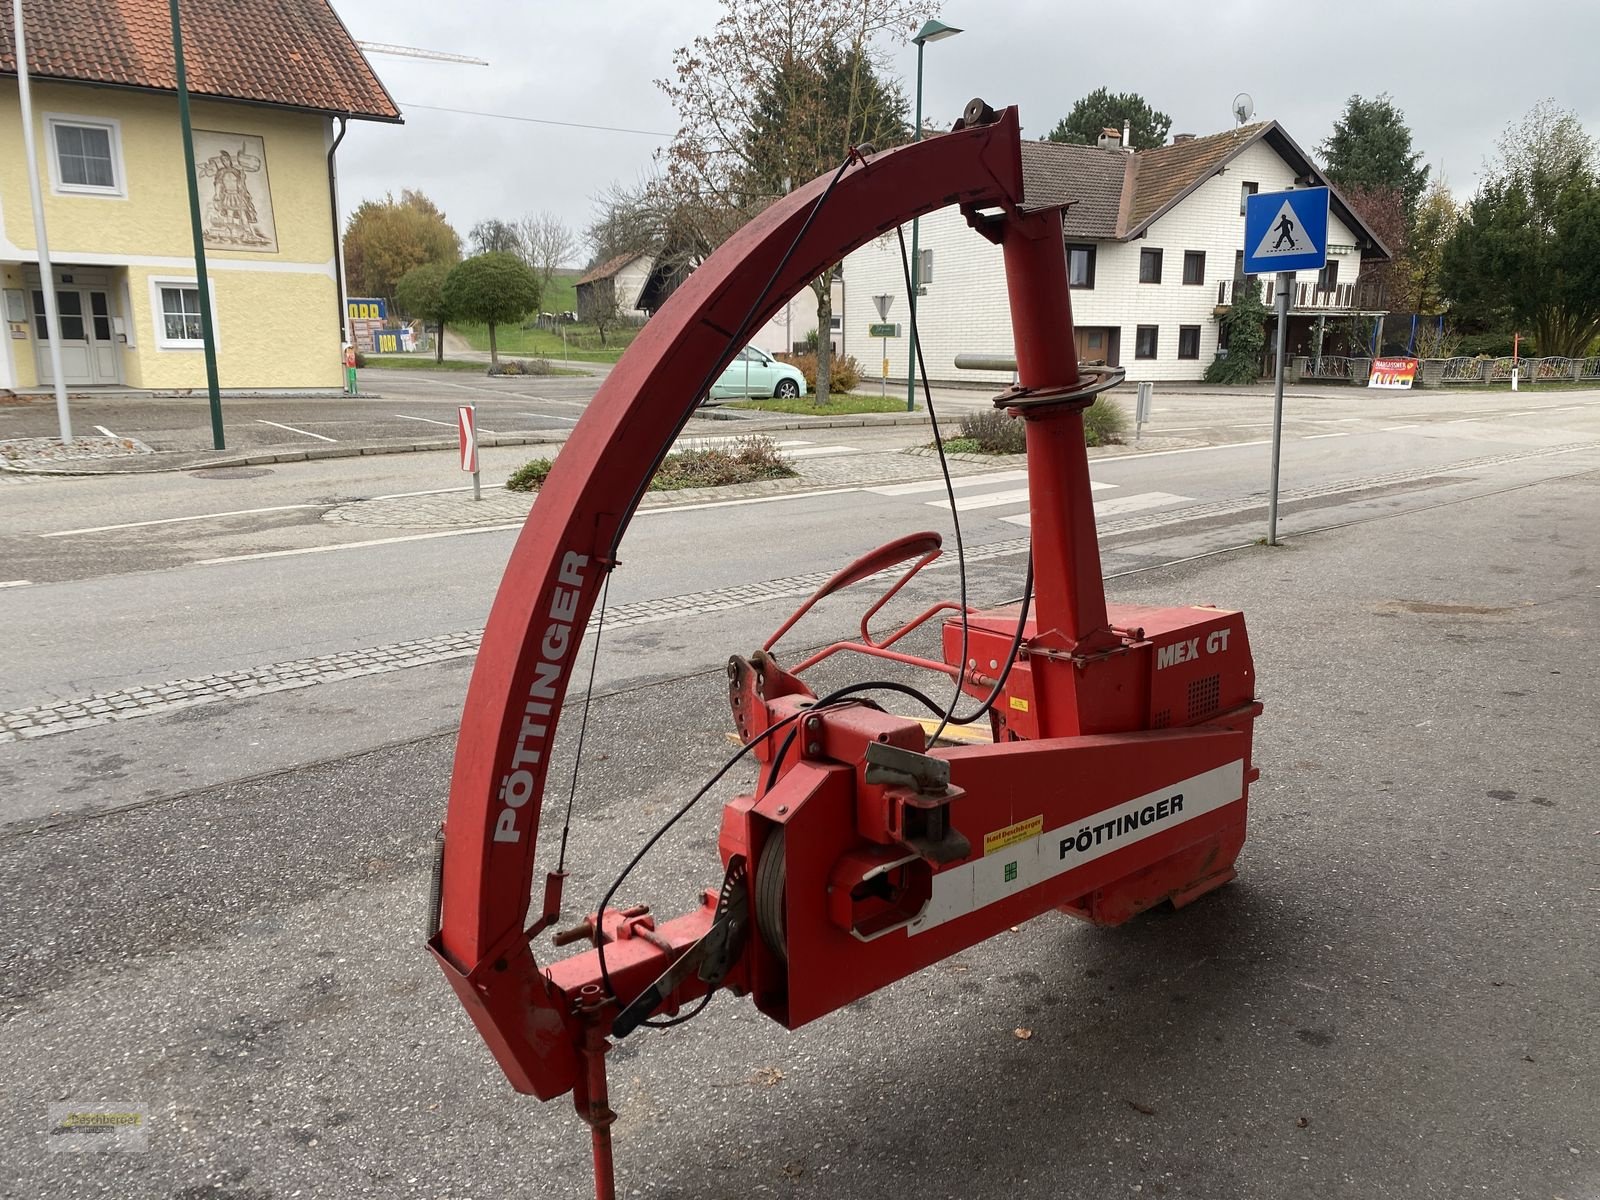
664 510
1185 450
238 512
1393 428
546 417
389 541
819 451
937 485
1116 506
15 583
1311 437
292 429
105 431
1253 425
447 424
982 500
1461 420
1135 503
429 492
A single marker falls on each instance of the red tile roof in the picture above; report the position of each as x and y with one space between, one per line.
610 267
292 53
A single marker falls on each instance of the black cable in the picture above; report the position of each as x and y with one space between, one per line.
583 724
831 698
949 490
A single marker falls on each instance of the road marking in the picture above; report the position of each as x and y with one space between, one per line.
446 424
429 492
292 429
15 583
1393 428
1530 412
1253 425
1185 450
1311 437
238 512
546 417
821 451
1135 503
444 533
1180 428
1461 420
388 541
982 500
1115 506
937 485
105 431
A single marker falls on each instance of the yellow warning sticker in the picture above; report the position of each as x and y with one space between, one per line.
999 839
1018 703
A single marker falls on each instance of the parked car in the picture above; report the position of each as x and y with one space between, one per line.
756 373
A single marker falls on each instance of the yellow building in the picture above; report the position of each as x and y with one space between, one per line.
272 85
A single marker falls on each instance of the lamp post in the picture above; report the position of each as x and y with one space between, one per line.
933 31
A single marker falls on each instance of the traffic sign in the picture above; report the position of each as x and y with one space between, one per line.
1286 231
468 432
888 330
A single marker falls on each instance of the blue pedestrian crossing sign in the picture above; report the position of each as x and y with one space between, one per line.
1286 231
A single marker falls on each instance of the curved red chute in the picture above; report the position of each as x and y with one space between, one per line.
553 578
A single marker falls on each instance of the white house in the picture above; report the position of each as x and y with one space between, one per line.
1155 242
793 324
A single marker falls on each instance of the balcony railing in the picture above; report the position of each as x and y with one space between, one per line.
1364 295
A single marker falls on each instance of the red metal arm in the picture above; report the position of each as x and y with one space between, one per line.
553 578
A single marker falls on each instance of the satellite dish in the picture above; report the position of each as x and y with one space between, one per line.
1243 108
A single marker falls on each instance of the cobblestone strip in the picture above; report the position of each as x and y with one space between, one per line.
102 708
105 707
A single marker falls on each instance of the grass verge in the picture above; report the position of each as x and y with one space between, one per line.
845 405
422 362
745 461
582 344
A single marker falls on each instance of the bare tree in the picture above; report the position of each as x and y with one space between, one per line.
773 97
494 235
603 311
547 243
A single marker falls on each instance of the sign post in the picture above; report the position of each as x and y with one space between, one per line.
1283 232
884 303
467 427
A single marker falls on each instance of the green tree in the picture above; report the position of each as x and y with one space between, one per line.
420 294
1370 147
1104 109
1526 252
774 96
386 238
493 288
1245 324
1431 230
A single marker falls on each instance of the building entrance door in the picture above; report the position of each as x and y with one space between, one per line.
88 347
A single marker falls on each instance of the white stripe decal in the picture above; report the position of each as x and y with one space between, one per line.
982 882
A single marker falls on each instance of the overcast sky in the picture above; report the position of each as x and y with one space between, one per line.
1459 70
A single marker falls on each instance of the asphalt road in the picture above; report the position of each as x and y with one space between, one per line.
213 910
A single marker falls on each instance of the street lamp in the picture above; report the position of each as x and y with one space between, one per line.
933 31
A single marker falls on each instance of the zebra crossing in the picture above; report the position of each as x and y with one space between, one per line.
791 448
1007 489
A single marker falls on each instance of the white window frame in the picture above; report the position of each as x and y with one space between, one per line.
158 314
111 125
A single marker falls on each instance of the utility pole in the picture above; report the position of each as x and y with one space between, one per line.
47 274
208 334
